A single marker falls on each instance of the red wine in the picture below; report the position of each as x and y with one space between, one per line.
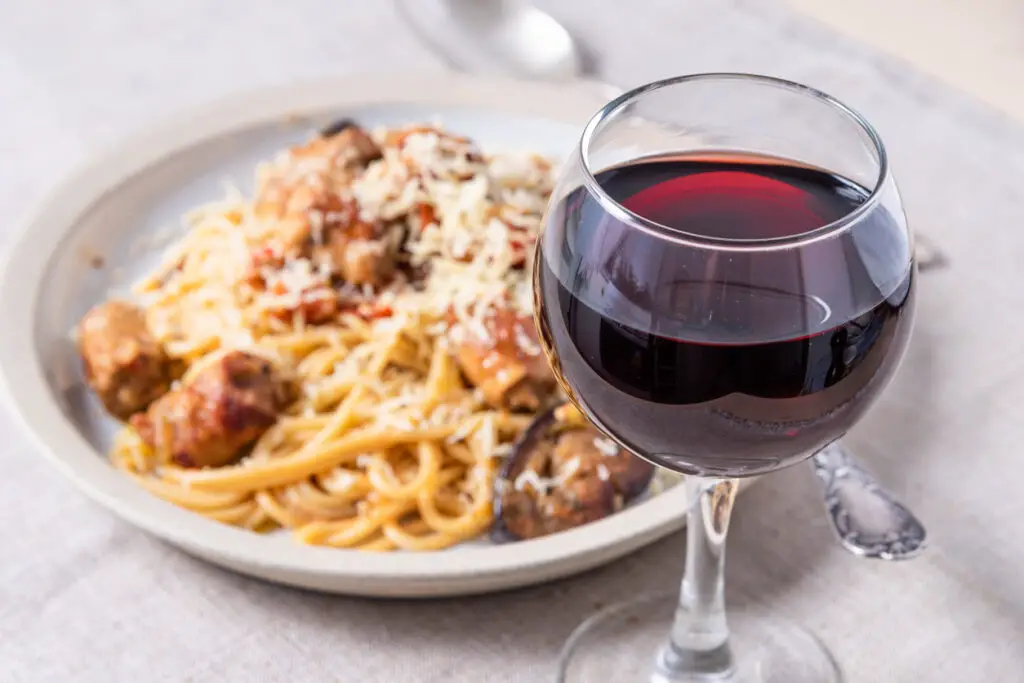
735 358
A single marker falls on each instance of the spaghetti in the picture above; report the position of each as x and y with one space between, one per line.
388 445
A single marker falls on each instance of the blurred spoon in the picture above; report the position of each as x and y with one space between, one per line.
508 37
495 36
513 37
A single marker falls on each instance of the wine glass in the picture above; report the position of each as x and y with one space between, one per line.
724 285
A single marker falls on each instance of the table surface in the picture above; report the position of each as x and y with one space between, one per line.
973 44
85 597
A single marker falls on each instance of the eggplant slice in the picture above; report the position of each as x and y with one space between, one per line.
335 127
563 473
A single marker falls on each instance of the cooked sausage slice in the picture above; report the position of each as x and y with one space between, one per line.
226 406
327 162
124 363
508 366
311 176
306 199
357 251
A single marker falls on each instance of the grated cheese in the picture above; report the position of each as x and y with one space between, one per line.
524 342
543 485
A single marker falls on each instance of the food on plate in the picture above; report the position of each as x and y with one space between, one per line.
563 473
124 363
350 353
506 365
305 196
206 421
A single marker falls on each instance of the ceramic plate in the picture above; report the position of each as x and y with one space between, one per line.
121 201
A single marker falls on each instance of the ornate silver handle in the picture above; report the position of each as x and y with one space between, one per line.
869 521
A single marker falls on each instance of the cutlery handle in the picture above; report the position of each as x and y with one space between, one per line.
869 521
928 256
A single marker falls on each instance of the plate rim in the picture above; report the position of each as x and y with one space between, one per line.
56 438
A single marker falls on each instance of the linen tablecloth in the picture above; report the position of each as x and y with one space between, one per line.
85 597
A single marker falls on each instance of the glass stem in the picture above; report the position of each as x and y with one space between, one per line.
698 647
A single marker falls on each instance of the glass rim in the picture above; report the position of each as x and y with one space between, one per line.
657 229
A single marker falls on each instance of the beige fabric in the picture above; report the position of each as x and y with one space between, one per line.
972 43
84 597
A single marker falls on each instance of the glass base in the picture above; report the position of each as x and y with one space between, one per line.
625 643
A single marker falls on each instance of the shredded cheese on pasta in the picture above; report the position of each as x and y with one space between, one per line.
386 447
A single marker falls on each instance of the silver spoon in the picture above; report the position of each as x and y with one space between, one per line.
495 36
509 37
513 37
869 521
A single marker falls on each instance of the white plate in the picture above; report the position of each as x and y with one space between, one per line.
145 185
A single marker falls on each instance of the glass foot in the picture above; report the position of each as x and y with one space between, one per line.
625 643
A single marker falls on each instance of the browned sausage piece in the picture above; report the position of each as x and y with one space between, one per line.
325 164
124 364
509 367
303 197
311 175
225 407
355 250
